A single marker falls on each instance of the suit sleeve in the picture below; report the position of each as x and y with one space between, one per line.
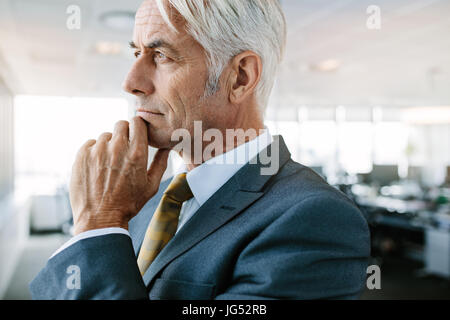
89 234
102 267
318 249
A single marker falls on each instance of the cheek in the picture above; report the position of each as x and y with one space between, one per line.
186 90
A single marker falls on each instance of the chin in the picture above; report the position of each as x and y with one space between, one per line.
159 139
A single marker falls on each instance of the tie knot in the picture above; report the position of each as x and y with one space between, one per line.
179 189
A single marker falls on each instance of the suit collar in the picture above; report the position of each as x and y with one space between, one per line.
239 192
221 168
264 166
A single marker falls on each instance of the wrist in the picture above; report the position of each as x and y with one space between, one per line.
83 226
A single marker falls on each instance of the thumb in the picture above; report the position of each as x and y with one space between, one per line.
158 166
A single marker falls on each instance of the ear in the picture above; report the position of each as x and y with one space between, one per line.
246 74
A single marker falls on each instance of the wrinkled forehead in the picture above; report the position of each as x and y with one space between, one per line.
148 11
150 20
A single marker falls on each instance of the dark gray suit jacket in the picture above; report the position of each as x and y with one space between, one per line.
283 236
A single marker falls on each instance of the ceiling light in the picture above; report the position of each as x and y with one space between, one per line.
108 48
329 65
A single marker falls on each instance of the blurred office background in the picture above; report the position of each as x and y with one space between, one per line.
368 109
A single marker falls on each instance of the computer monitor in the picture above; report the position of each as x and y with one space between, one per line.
384 174
363 178
415 173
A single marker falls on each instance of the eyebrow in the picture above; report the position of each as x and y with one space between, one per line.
158 43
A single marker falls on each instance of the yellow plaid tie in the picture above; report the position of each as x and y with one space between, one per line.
164 222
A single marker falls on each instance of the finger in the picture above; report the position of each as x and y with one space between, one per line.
138 133
104 138
82 151
88 144
120 133
158 166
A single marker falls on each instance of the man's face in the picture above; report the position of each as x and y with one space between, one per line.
168 77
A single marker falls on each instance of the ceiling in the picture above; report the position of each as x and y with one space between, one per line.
405 63
44 57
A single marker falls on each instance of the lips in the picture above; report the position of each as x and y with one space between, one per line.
153 112
148 115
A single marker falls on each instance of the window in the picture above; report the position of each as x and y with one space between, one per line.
391 141
49 132
355 146
318 141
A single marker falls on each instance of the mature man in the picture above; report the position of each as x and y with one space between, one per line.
219 229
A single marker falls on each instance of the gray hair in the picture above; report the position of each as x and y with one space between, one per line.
225 28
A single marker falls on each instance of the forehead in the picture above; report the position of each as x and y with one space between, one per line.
149 22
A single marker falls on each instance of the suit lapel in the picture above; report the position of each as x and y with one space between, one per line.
238 193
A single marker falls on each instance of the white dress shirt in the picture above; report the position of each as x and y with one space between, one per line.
203 180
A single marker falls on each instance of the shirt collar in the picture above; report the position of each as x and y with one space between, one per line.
207 178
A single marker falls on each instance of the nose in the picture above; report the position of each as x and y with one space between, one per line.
139 80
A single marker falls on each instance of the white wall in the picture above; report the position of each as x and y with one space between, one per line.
6 141
12 216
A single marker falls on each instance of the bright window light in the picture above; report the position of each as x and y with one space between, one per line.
391 141
355 146
318 141
49 132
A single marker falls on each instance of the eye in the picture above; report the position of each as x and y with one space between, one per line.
159 56
137 54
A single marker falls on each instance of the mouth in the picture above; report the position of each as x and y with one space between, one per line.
148 115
